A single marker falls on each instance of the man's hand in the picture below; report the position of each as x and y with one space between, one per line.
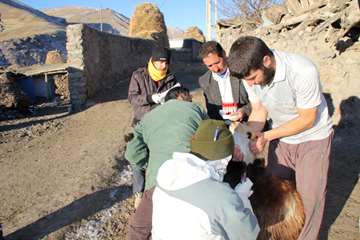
237 155
257 145
237 116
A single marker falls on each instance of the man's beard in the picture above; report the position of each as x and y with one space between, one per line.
269 74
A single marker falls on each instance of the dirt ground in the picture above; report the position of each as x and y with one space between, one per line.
63 175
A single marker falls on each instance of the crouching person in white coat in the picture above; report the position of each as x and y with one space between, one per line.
190 200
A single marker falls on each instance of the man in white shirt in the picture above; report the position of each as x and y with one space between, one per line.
285 88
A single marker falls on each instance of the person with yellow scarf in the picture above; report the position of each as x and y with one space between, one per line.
147 90
148 85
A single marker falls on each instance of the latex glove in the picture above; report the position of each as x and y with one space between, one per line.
156 98
242 142
237 155
244 188
237 116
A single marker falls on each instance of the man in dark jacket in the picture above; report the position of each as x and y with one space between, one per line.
148 84
225 96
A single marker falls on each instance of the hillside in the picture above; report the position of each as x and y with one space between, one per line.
19 20
175 33
27 34
113 22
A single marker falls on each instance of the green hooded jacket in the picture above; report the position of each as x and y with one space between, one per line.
166 129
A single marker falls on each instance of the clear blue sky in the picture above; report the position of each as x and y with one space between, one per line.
177 13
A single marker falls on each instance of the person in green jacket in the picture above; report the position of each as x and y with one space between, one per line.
162 131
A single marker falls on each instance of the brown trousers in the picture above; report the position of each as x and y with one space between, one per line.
141 222
308 164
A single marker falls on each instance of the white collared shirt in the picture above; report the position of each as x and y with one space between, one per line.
224 86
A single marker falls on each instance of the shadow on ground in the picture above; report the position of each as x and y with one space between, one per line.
30 122
344 165
77 210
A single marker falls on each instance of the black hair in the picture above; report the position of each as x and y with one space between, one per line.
211 47
246 54
175 92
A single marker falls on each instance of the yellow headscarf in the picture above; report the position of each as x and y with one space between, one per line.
156 74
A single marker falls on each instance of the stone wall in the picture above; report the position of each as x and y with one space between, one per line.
181 55
338 72
189 52
337 61
99 60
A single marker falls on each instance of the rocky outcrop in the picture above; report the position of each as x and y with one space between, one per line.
234 27
275 13
298 6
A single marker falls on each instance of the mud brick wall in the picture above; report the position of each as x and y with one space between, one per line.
99 60
181 55
339 71
227 37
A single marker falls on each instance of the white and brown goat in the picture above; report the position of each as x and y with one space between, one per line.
275 201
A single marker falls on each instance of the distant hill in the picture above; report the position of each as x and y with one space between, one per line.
27 34
175 33
19 20
112 21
